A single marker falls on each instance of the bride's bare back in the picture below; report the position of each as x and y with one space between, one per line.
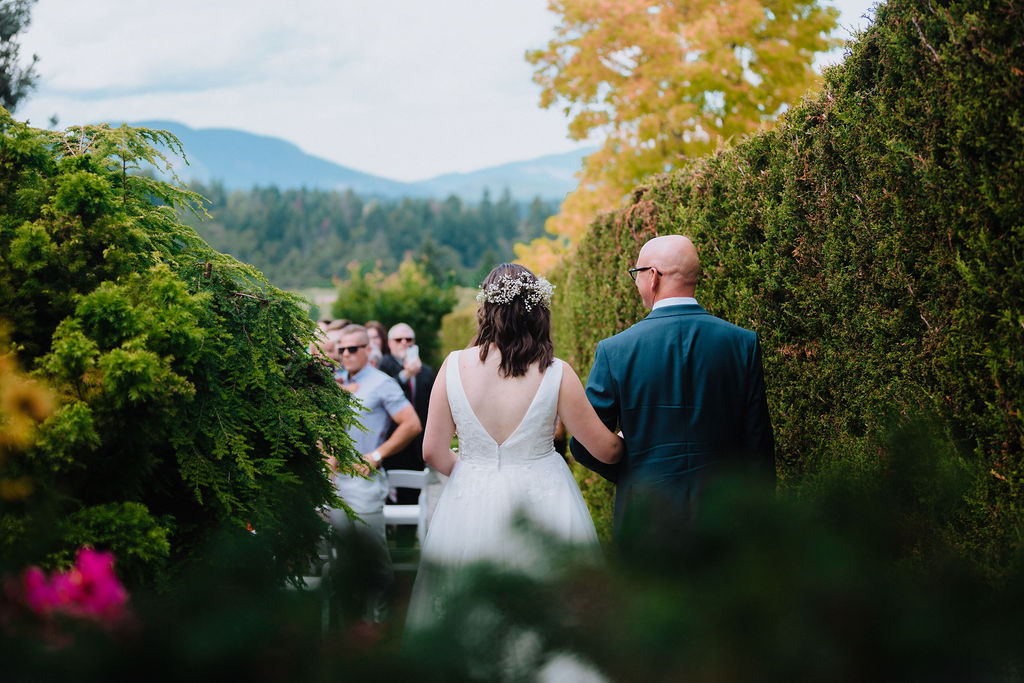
500 403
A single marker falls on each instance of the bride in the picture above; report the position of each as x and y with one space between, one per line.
502 396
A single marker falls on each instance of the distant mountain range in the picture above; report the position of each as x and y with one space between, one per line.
242 160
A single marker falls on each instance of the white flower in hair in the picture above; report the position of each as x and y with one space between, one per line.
507 288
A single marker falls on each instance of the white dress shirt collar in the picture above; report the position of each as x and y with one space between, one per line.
674 301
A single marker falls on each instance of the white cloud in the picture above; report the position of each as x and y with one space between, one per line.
402 88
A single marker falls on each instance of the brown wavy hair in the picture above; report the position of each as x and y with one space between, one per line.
522 336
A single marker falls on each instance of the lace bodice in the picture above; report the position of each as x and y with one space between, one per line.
534 436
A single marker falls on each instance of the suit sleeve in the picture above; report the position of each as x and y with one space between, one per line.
604 399
424 385
390 365
758 438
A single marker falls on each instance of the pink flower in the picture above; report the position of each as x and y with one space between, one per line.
89 590
99 591
39 594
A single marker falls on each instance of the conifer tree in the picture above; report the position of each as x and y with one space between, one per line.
187 404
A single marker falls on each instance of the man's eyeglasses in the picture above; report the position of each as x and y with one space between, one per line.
350 349
408 340
634 271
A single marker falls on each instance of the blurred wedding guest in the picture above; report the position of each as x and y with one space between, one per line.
333 333
377 333
399 338
375 356
338 324
417 380
321 346
317 346
330 347
383 403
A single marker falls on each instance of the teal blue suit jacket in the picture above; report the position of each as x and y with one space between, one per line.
687 390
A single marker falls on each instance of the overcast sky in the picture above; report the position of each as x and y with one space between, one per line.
405 89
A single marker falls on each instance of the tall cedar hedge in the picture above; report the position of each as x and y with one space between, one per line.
874 240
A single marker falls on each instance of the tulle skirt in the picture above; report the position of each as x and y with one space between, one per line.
521 517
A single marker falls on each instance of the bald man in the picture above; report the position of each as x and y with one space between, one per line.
686 389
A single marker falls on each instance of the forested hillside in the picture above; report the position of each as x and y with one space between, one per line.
303 238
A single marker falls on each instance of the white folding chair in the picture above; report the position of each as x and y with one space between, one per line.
407 515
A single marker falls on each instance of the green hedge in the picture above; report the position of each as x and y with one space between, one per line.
874 241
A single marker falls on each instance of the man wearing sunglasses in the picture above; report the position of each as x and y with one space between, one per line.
417 380
382 403
686 389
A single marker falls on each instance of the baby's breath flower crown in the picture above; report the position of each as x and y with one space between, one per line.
505 290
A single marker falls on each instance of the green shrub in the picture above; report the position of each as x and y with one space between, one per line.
187 404
409 296
873 240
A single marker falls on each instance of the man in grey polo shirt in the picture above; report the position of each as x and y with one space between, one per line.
382 402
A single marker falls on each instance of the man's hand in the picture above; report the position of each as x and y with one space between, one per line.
374 458
412 367
363 467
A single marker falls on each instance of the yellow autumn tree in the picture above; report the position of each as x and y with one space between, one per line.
666 81
24 404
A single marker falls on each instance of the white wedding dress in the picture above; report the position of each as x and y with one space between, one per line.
490 485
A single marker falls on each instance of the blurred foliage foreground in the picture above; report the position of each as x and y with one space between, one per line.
167 397
851 580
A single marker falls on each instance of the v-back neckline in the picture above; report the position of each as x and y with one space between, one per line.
522 420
